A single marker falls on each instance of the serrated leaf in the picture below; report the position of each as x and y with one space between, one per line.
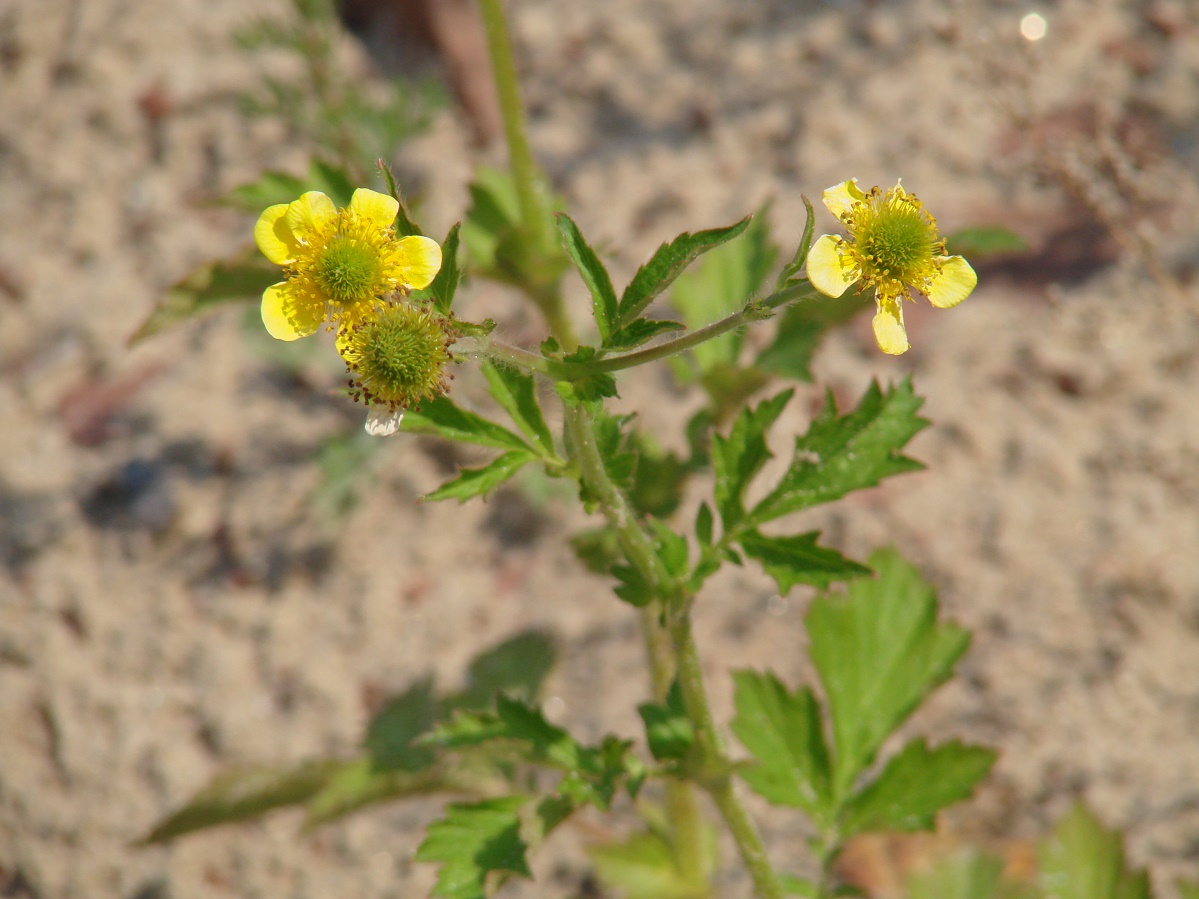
242 795
472 482
643 867
640 331
799 560
595 276
241 278
880 651
517 667
440 293
724 281
984 241
738 458
472 840
667 263
516 391
802 327
668 730
783 732
915 785
841 453
964 875
401 720
442 418
404 226
1084 860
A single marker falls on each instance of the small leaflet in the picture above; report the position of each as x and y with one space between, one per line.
382 421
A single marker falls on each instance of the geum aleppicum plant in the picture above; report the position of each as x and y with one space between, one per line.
893 246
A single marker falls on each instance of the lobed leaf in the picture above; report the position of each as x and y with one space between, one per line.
737 459
842 453
879 651
799 560
516 391
783 732
472 482
595 276
915 785
667 263
473 840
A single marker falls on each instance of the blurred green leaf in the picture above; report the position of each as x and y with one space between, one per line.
984 241
494 210
594 275
801 328
783 732
915 785
965 875
402 719
1187 889
799 560
242 278
841 453
473 840
1084 860
273 188
737 459
358 783
441 418
597 549
516 391
658 479
667 263
241 795
667 727
517 667
643 867
880 651
797 886
472 482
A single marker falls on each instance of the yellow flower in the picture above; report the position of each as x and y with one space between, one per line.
396 358
340 263
894 245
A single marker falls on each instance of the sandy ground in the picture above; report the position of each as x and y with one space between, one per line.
171 603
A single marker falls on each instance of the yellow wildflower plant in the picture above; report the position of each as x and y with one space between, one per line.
893 246
340 263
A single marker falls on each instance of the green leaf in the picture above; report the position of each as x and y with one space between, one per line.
667 263
597 548
517 667
472 482
472 840
738 458
494 211
797 886
704 524
783 732
588 389
595 276
643 867
273 188
723 282
984 241
404 226
360 782
915 785
667 727
516 391
441 418
799 560
658 478
965 875
792 269
391 731
1084 860
879 651
802 327
441 292
241 795
241 278
640 331
841 453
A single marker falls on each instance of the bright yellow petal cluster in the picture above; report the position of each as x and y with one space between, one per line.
893 247
340 263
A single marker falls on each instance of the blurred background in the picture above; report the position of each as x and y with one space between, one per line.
204 564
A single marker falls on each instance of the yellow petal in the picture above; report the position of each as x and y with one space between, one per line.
888 328
273 236
829 267
840 197
379 209
418 259
287 318
309 214
954 283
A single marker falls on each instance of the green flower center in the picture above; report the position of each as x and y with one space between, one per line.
348 270
896 240
398 357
